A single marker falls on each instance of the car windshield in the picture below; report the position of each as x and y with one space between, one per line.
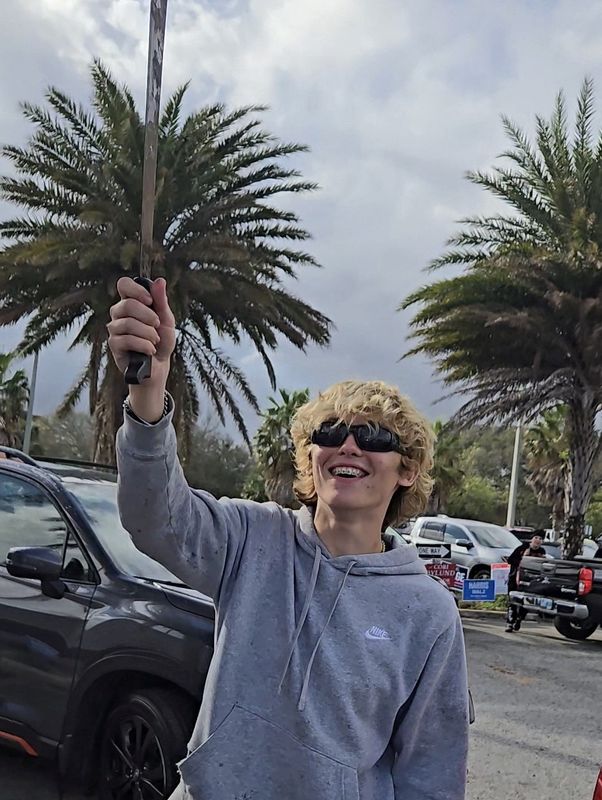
493 536
99 501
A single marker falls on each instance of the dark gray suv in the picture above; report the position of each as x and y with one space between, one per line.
103 652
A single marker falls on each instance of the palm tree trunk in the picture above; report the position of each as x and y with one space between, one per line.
109 413
95 361
558 520
434 504
5 438
184 418
583 442
560 503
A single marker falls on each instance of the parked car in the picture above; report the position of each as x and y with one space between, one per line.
554 549
598 789
104 652
568 591
404 530
474 545
524 534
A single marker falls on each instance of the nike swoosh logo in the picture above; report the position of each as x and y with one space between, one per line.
377 634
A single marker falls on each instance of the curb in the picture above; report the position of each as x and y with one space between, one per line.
480 613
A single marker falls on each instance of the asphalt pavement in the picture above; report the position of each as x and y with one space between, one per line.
537 732
539 714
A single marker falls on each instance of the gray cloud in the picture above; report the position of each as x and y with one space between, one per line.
396 100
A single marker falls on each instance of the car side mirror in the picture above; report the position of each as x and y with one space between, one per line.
38 563
464 543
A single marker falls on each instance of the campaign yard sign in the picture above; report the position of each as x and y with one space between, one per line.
461 575
500 573
444 570
478 590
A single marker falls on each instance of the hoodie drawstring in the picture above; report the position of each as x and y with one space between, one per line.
310 593
304 689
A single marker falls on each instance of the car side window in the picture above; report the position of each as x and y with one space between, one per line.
453 532
433 531
28 517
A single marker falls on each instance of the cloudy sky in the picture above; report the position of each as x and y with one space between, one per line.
396 99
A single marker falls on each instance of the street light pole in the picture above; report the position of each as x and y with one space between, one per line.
32 394
512 496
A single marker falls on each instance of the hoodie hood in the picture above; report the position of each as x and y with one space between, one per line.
399 558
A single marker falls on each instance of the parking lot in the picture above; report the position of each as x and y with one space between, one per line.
539 715
537 732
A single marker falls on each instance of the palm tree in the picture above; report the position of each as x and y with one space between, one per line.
446 473
548 465
14 396
273 447
222 244
520 330
254 485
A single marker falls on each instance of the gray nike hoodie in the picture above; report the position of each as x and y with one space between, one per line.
333 677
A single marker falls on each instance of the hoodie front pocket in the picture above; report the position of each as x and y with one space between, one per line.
248 757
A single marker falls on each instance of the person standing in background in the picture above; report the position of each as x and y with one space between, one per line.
516 614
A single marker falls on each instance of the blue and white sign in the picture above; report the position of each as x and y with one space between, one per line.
478 590
461 575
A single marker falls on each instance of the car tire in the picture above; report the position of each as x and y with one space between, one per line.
481 573
143 737
573 629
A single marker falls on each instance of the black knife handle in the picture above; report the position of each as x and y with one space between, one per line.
140 364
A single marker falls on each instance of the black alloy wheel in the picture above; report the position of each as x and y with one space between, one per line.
143 737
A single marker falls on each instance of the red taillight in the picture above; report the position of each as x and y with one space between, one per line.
586 580
598 789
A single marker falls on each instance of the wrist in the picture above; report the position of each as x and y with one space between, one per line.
147 403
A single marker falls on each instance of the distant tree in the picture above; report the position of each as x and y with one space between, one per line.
254 487
215 463
477 498
226 246
548 464
446 472
14 397
69 436
594 514
519 331
485 459
273 447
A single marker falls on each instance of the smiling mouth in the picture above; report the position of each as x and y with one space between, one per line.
349 473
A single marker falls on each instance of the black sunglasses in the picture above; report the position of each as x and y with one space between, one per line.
371 438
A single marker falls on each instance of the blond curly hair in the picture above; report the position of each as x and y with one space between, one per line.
380 403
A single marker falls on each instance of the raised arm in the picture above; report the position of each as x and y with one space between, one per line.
197 537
